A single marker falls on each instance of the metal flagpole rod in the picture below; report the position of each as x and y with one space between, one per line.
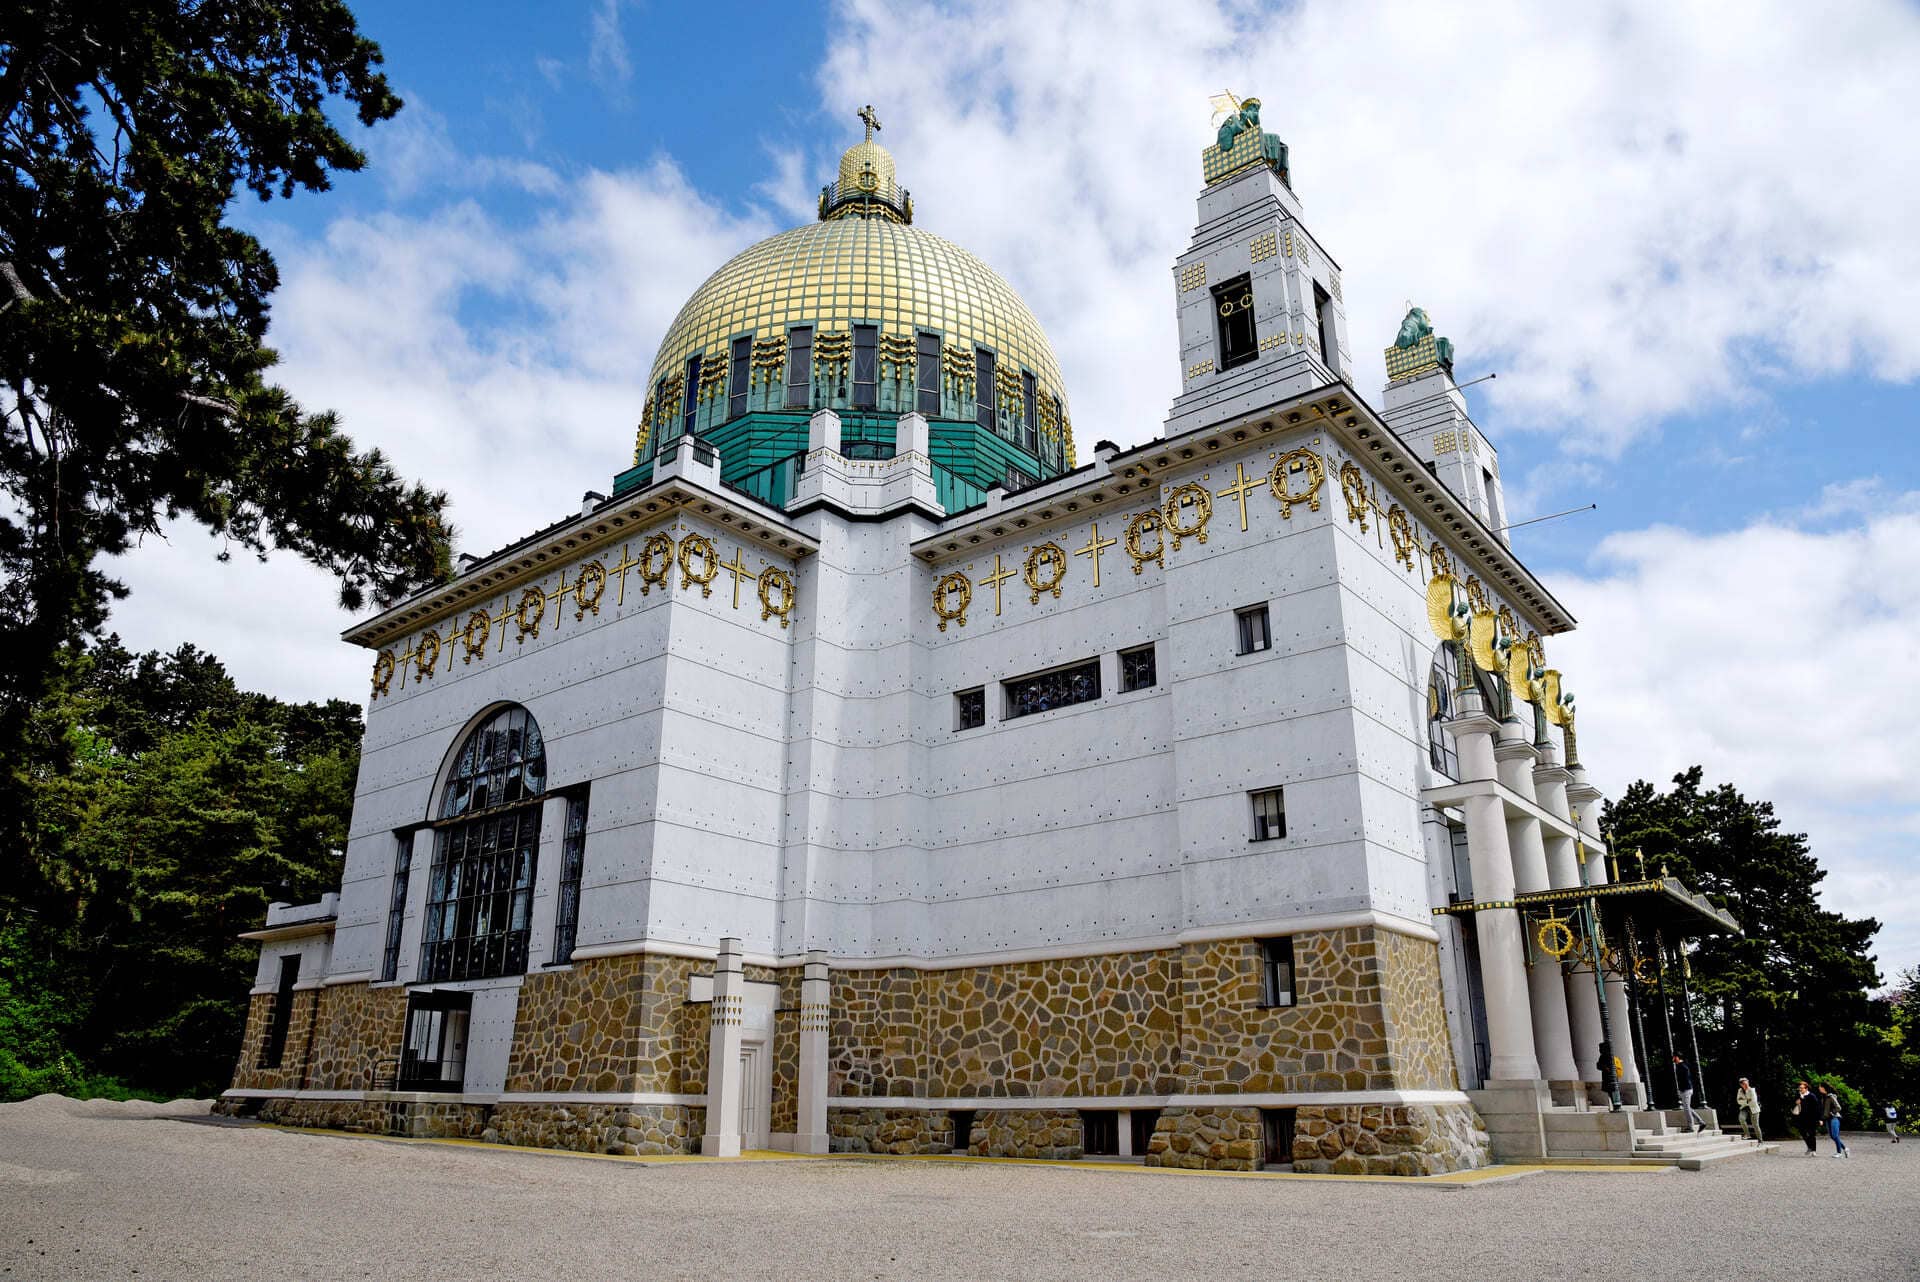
1666 1013
1686 1008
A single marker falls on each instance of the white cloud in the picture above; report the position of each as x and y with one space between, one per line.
1784 658
607 60
1627 209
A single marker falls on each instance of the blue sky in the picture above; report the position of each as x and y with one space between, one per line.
1695 278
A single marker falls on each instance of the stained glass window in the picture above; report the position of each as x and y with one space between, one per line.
1060 688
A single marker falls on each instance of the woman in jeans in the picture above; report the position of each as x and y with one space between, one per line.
1832 1113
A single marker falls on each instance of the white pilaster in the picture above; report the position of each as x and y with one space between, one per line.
1503 961
1563 872
722 1137
816 988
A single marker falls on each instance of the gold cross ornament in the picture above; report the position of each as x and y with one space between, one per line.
738 568
1000 575
1243 486
1095 545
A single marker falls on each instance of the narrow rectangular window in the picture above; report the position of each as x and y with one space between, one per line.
800 367
663 422
1016 479
970 708
1255 635
1136 668
397 904
1233 322
1493 502
692 405
573 855
984 390
1029 410
276 1042
739 370
1057 452
1323 322
1276 1130
1276 971
866 367
1269 814
929 374
1060 688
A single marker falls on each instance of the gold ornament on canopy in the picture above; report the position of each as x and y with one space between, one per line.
1447 608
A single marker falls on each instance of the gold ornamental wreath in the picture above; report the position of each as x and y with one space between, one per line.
1400 527
1202 502
1290 464
1137 530
537 598
382 673
771 579
423 667
1554 937
476 646
698 545
958 587
595 573
1053 555
1353 488
656 562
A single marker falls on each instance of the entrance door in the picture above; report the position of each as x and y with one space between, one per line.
756 1095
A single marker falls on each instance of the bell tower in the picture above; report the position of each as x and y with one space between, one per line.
1260 308
1429 411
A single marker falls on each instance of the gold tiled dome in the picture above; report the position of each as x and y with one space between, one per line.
867 166
861 271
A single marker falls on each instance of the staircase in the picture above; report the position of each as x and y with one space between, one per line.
1669 1143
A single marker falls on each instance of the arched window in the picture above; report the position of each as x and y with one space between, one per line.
1442 681
487 834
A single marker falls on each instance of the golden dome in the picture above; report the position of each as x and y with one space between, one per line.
861 271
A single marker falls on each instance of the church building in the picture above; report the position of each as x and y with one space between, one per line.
868 773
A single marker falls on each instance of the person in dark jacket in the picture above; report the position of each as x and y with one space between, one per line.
1809 1116
1683 1073
1830 1114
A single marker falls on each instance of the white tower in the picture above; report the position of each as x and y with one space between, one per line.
1423 404
1261 316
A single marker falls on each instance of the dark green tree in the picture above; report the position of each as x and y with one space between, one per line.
132 316
1788 997
183 806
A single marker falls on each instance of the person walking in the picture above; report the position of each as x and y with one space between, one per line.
1808 1116
1747 1100
1683 1073
1830 1110
1893 1123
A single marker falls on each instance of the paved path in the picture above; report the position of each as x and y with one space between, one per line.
100 1191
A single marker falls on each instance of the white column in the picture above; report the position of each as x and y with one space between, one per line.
722 1137
1584 802
1546 989
816 990
1503 959
1563 869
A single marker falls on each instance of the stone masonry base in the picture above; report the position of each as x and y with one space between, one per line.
637 1130
1351 1139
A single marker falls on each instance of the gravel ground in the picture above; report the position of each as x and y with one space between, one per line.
98 1190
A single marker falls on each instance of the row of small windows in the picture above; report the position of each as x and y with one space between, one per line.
1023 430
1054 688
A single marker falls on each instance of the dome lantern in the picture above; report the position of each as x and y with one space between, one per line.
867 186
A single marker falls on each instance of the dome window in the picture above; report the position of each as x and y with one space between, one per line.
928 369
737 373
692 399
866 367
1029 411
983 388
800 367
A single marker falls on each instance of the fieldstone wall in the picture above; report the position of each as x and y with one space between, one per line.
1072 1026
611 1024
1389 1139
356 1027
637 1130
1041 1132
1207 1139
289 1076
889 1130
1418 1043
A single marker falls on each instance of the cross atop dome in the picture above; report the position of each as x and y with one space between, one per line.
871 121
867 187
